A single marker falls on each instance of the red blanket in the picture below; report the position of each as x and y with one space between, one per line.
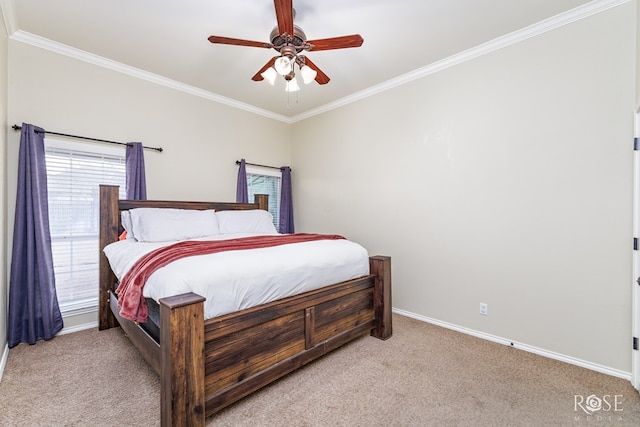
132 303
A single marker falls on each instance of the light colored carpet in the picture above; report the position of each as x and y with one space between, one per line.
423 376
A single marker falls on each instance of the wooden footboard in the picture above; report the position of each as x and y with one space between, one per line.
247 350
205 366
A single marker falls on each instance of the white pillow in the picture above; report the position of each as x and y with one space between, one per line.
165 224
125 219
246 221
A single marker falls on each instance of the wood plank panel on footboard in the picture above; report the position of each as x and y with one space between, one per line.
298 330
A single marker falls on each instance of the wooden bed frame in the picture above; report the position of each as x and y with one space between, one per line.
206 365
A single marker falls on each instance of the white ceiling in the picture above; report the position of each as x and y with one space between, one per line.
169 39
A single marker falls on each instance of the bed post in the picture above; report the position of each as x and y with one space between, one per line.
380 266
109 221
262 200
182 394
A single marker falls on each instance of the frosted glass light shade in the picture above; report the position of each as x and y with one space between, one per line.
292 85
283 65
308 74
270 75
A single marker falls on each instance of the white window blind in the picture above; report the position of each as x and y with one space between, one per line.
74 173
266 181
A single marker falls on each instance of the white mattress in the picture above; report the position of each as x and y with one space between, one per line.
236 280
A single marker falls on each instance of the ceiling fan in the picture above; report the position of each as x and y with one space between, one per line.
291 42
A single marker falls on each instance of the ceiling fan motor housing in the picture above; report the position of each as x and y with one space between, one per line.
295 43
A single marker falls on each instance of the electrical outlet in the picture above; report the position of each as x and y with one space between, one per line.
484 309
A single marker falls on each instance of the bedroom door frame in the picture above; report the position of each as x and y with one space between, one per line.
635 294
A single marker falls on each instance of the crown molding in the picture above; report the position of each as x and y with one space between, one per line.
62 49
573 15
523 34
7 9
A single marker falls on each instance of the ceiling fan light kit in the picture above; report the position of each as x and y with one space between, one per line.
283 65
308 74
292 85
290 41
270 75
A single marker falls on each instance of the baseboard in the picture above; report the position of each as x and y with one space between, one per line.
79 317
531 349
500 340
77 328
3 360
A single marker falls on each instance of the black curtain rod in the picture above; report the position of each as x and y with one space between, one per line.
158 149
255 164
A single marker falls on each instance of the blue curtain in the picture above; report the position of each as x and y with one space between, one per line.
34 313
242 192
135 180
286 202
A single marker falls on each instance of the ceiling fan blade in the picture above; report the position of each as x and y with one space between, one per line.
321 77
354 40
284 15
238 42
258 77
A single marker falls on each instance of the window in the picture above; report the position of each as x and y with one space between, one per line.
74 172
266 181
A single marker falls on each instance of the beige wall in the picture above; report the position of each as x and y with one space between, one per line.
3 188
201 139
505 180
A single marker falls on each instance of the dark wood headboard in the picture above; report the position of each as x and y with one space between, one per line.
111 227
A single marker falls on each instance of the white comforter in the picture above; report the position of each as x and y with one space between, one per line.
236 280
